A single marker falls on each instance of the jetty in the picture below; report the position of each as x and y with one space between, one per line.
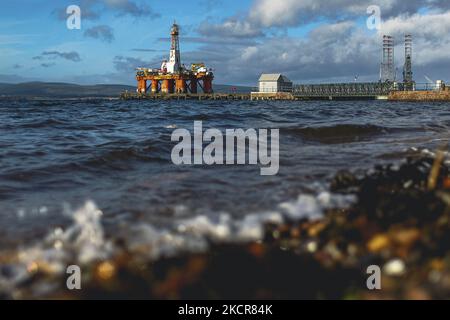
185 96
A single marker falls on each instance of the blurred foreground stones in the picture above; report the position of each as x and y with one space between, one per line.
400 222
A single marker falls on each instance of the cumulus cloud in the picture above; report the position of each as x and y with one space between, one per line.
270 13
230 28
128 64
129 7
144 50
102 32
433 26
92 9
265 14
214 40
71 56
210 5
47 65
330 51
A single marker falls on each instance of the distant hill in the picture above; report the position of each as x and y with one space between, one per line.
224 88
60 90
68 90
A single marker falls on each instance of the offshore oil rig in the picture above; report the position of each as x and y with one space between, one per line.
173 77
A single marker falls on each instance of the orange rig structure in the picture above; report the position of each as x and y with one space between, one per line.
173 77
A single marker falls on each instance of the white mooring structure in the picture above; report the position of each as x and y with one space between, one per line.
274 83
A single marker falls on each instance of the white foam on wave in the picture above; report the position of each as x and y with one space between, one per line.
84 241
152 243
195 234
312 207
226 229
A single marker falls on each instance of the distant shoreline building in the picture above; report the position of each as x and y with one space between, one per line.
274 82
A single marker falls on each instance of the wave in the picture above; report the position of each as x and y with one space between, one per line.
85 242
43 124
46 103
337 133
127 154
107 156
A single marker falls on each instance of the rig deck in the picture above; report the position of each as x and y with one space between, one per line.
185 96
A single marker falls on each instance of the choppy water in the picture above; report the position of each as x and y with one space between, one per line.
58 155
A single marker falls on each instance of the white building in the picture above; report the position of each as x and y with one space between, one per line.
274 83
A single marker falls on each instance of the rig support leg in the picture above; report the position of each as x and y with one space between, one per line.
171 86
142 86
155 86
165 86
180 86
207 85
194 86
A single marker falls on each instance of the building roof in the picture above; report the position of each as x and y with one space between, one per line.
273 77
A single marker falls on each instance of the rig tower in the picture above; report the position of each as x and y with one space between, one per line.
174 64
387 71
408 81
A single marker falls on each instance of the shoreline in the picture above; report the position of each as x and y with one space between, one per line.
400 222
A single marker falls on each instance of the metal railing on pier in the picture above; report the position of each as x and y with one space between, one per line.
343 89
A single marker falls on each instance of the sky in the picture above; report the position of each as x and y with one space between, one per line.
310 41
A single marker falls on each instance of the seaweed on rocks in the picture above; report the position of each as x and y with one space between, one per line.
394 194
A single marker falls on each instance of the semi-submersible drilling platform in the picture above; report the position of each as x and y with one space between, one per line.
174 77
